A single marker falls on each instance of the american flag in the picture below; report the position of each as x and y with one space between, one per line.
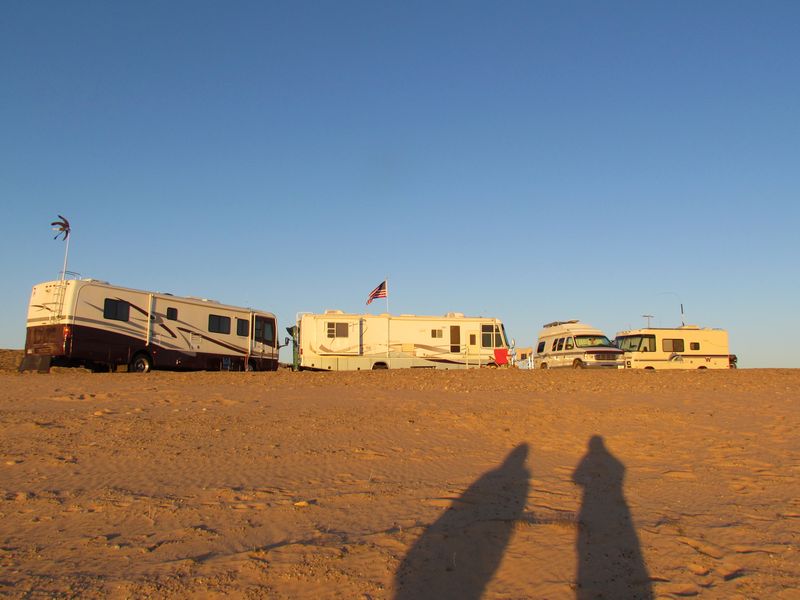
378 292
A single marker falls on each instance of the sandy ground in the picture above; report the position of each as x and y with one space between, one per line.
481 484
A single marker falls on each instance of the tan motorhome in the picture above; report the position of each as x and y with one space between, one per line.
90 323
575 345
685 347
335 341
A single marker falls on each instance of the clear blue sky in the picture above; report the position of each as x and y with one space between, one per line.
533 161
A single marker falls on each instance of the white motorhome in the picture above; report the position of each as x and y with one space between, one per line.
575 345
685 347
335 341
85 322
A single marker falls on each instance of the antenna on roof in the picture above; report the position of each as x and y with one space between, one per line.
683 324
648 317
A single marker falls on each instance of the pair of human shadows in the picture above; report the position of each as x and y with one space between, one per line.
457 556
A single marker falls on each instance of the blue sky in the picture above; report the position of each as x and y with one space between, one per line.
533 161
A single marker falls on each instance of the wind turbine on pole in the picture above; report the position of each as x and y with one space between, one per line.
62 228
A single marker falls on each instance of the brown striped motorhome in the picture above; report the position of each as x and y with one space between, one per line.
90 323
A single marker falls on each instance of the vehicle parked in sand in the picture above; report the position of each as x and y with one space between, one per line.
335 341
90 323
576 345
685 347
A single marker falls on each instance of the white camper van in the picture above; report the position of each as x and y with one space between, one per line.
685 347
335 341
575 345
84 322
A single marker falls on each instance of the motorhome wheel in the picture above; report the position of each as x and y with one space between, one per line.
141 363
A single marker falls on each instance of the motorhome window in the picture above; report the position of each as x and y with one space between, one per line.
172 313
554 346
569 345
116 310
694 345
219 324
588 341
491 336
265 331
242 327
560 344
540 347
337 330
436 333
674 345
636 343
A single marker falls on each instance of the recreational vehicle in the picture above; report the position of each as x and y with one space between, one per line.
85 322
335 341
685 347
575 345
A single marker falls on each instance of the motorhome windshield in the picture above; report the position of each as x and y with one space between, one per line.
586 341
637 343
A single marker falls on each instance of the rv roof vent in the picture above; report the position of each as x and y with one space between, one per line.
89 279
334 312
455 315
203 299
557 323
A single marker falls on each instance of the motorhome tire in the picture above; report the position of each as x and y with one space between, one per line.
379 366
649 369
578 364
141 363
701 368
543 366
250 366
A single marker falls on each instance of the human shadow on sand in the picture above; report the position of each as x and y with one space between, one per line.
610 561
456 557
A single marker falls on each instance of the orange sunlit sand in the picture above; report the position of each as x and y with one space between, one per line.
400 484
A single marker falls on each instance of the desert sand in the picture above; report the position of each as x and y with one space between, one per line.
502 484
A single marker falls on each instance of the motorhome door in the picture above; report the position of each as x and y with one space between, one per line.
264 336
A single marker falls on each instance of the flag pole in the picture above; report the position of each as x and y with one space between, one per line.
388 318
